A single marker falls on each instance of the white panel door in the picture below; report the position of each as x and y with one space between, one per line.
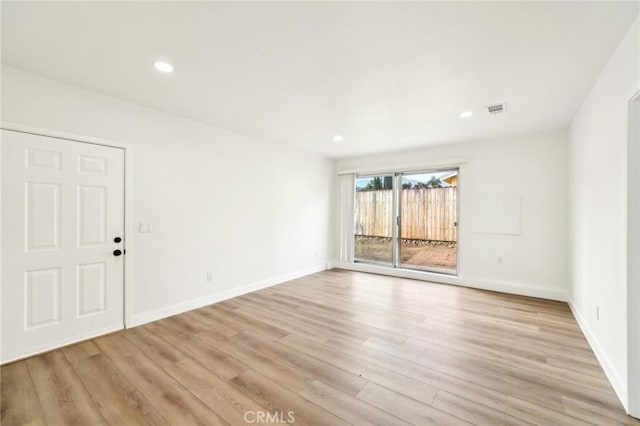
62 216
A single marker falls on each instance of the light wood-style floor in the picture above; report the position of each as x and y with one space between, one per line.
334 348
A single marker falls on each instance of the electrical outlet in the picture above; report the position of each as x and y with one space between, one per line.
597 312
209 277
500 260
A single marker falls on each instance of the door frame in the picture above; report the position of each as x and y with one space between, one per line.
633 254
127 320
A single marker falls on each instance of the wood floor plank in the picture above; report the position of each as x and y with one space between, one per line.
540 415
573 364
472 412
227 401
248 322
403 384
20 404
405 408
323 328
595 414
184 324
329 316
286 375
430 376
489 348
278 399
530 346
526 339
162 352
525 383
508 358
63 398
378 309
222 364
80 350
173 401
405 310
203 316
37 422
341 379
349 408
117 398
474 371
215 315
284 322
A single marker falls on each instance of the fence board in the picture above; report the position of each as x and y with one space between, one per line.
427 213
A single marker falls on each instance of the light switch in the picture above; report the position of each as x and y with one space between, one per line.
144 227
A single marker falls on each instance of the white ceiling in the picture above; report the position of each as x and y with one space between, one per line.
387 76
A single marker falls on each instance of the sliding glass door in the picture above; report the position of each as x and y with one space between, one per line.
428 219
407 220
374 224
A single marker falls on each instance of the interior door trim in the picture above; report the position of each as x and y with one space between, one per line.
633 252
128 199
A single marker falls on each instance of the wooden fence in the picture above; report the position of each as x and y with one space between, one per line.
427 213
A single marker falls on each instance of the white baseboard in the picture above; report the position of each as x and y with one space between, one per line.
521 290
502 287
157 314
59 343
619 385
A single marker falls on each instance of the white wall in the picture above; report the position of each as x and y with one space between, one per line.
598 197
531 167
218 201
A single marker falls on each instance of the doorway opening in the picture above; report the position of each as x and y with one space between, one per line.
407 220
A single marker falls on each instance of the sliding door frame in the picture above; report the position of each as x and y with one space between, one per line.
399 219
397 192
633 253
396 239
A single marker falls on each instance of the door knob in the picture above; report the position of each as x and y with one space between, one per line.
117 252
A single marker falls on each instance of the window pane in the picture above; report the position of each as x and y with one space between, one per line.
373 221
428 217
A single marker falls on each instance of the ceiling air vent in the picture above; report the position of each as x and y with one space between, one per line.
497 108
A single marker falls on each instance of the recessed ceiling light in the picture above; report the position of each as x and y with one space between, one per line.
338 138
163 66
466 114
